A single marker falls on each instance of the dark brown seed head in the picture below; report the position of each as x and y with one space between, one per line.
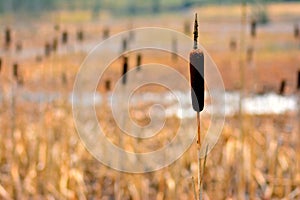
139 61
19 46
232 44
124 44
105 33
250 54
80 36
54 44
296 31
107 85
253 28
125 69
15 71
7 36
0 64
65 37
298 81
282 87
197 79
47 49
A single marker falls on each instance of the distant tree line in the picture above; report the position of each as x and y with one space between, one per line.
131 7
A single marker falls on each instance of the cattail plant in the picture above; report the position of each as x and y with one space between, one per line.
174 48
139 61
253 28
54 45
125 69
107 85
296 31
80 36
298 81
0 64
105 33
64 38
249 54
16 71
232 44
19 47
64 79
124 44
197 94
47 49
7 37
282 87
56 27
187 27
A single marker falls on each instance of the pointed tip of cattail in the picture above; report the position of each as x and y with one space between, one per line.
196 32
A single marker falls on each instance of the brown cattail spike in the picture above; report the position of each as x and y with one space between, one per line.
253 28
282 87
124 44
80 36
174 48
7 36
296 31
18 47
54 44
139 61
186 27
298 81
197 79
47 49
250 54
65 37
125 69
15 71
195 32
105 33
107 85
232 44
0 64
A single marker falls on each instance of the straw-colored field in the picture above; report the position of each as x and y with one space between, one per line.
42 156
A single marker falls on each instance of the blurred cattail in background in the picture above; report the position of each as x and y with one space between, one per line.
296 31
15 71
125 69
298 81
19 47
282 87
105 33
124 44
253 28
47 49
232 44
80 36
0 64
64 37
56 27
139 61
107 85
7 37
250 51
187 27
54 44
64 78
174 48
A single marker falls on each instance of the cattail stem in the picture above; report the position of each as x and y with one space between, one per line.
199 157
